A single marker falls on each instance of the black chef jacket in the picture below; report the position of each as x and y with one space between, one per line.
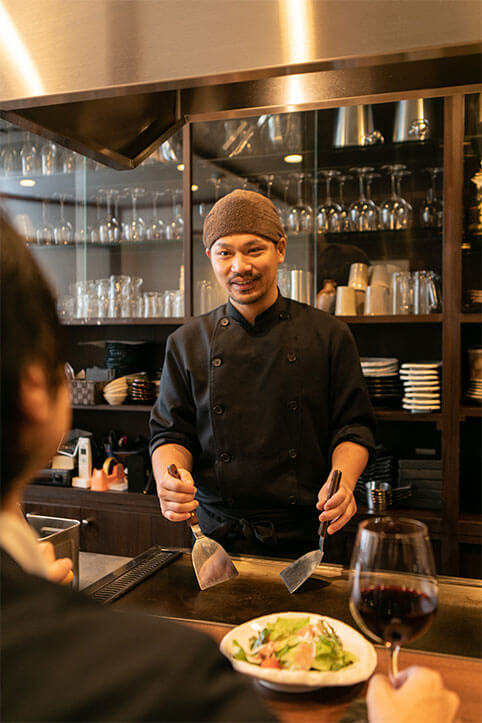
261 408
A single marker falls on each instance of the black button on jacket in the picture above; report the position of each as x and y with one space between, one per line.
290 389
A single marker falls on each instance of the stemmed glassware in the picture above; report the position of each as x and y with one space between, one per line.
63 231
45 230
433 209
344 217
156 230
48 155
363 213
395 212
268 178
206 206
9 157
329 213
300 216
135 229
175 228
29 157
109 227
393 588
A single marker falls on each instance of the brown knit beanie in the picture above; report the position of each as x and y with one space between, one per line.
242 212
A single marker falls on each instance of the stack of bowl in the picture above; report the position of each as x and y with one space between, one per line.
116 391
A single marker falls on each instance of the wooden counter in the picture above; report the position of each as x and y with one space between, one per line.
463 675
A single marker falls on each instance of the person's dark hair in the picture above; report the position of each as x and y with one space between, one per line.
30 332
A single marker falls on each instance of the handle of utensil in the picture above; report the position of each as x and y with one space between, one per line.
174 472
332 489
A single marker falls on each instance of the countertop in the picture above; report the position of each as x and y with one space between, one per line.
258 590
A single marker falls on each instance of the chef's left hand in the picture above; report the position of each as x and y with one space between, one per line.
340 508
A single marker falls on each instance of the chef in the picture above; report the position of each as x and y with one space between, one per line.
259 400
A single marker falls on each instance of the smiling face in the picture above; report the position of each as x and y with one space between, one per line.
246 266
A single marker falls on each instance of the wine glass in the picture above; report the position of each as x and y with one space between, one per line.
300 216
48 155
135 229
45 231
9 157
109 227
395 212
206 206
268 178
363 212
63 231
393 588
156 230
175 229
29 157
432 210
344 217
329 213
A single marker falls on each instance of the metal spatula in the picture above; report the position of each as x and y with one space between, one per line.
300 570
210 561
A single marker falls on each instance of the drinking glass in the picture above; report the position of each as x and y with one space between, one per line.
329 213
268 178
135 229
206 206
119 296
344 217
393 588
63 231
363 213
45 230
48 156
395 212
175 229
432 210
9 157
156 230
29 157
300 216
109 227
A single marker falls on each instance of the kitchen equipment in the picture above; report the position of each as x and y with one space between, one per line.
300 570
354 127
63 533
413 120
210 561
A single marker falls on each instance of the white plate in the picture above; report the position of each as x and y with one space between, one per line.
377 361
421 385
301 681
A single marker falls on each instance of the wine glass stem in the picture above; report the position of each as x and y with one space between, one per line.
393 650
394 193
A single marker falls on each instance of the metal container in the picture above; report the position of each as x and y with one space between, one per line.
63 533
354 127
413 120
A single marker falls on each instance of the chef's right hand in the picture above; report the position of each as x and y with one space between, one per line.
176 496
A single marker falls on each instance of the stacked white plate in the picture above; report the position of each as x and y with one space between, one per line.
475 296
421 386
379 366
474 390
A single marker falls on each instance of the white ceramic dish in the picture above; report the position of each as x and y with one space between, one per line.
421 365
378 361
301 681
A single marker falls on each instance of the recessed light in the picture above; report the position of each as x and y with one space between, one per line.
194 187
27 182
180 166
293 158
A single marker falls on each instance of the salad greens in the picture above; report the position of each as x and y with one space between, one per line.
295 644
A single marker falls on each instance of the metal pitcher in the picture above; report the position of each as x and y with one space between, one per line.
413 120
354 127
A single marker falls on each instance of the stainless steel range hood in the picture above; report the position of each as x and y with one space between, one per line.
112 79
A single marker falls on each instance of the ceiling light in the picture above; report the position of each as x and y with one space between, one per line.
180 166
194 187
27 182
293 158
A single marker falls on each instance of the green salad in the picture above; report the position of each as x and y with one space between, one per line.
295 644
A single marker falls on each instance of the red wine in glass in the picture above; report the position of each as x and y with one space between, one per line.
393 588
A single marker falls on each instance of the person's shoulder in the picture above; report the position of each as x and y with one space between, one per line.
198 325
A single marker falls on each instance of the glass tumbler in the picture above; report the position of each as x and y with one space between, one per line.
119 296
401 292
152 304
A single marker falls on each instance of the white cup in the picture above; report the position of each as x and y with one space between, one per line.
377 301
380 276
358 278
345 301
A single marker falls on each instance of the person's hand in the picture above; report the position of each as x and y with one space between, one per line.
420 695
176 496
338 509
58 570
